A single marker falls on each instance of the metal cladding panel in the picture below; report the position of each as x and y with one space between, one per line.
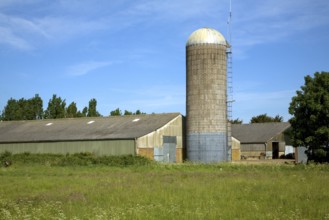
99 148
207 147
158 154
169 152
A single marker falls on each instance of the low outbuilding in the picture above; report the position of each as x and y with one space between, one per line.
261 140
156 136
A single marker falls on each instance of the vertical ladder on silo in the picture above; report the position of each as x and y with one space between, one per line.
229 83
229 75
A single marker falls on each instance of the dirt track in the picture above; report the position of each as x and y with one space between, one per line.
275 161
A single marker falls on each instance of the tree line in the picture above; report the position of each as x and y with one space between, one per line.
262 118
32 109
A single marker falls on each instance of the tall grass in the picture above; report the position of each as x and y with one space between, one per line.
164 191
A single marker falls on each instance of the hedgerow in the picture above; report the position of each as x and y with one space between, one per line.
77 159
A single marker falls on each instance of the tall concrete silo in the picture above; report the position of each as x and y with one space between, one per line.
206 97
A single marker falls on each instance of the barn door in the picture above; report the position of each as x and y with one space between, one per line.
158 154
169 149
275 150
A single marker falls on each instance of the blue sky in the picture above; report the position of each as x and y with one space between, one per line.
131 54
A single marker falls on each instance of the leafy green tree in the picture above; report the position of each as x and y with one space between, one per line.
116 112
84 112
92 111
264 118
310 110
56 108
10 111
23 109
138 112
128 112
236 121
72 110
36 106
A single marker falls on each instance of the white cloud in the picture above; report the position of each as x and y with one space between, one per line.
86 67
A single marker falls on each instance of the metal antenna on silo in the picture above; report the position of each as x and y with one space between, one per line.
229 19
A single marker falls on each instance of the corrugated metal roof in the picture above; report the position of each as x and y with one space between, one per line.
258 132
114 127
206 36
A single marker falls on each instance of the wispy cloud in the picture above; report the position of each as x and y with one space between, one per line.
67 20
19 32
7 37
254 22
51 29
274 20
86 67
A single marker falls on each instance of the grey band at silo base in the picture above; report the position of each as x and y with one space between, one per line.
207 147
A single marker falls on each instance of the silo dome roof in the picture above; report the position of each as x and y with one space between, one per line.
206 36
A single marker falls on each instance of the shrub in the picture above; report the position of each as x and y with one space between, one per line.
77 159
320 155
5 158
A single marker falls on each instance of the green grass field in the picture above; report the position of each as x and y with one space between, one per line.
153 191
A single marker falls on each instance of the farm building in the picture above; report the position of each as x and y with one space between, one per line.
156 136
260 140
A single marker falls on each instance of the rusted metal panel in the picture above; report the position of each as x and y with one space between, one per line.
236 154
179 155
146 152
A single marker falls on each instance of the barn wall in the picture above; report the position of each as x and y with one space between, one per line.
252 150
236 151
146 152
280 138
104 147
155 139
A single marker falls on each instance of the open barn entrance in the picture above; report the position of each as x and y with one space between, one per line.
275 150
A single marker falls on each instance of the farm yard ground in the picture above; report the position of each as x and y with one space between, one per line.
269 162
165 191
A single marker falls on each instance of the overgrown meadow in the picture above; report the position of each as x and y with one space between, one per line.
54 187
